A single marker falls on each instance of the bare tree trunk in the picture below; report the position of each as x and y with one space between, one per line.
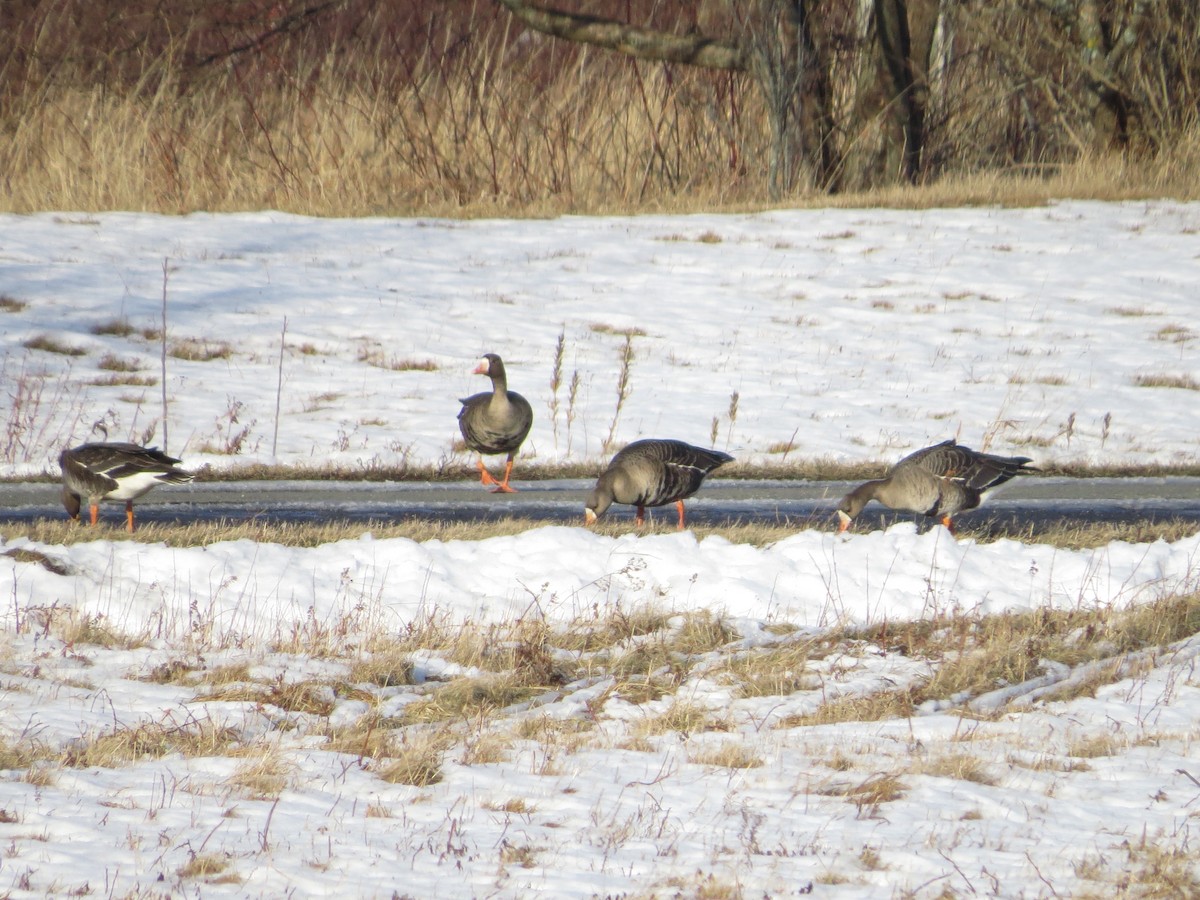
1105 42
778 51
906 29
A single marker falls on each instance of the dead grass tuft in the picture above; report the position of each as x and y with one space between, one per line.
1163 380
112 363
115 327
150 740
727 756
466 698
684 718
375 356
388 668
203 865
306 697
960 766
1095 746
198 350
49 563
417 760
48 344
630 332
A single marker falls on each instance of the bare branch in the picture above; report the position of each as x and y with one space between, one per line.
632 40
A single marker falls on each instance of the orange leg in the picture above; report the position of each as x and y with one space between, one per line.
95 511
679 503
502 487
129 514
485 477
640 518
949 525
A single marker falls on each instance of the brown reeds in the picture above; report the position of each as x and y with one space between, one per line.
429 108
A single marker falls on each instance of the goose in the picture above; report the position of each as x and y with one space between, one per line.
495 421
652 472
939 482
114 471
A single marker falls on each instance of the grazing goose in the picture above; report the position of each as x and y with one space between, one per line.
116 471
495 421
939 481
652 473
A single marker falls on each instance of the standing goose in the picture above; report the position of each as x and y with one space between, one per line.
114 471
495 421
652 473
939 481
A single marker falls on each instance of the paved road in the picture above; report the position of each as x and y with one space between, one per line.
1025 503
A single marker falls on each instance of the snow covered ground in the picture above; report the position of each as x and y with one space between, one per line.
1062 333
856 334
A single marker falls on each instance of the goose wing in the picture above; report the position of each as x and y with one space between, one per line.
663 471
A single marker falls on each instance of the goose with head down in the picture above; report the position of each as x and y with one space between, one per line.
939 482
652 472
495 421
114 471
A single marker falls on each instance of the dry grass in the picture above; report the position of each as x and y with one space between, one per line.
199 350
114 327
117 380
970 657
1068 534
682 717
377 357
727 756
417 760
48 344
1163 380
428 108
465 698
126 745
112 363
203 865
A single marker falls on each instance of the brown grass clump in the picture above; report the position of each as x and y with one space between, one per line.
310 698
112 363
1161 380
127 745
417 761
264 775
465 698
48 344
196 350
203 865
727 756
115 327
682 717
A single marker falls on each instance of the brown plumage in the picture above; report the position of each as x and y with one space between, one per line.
652 473
495 421
114 471
939 481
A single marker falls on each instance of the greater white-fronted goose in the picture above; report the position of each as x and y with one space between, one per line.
939 481
114 471
652 472
495 422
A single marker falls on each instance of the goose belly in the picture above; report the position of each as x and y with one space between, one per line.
130 487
